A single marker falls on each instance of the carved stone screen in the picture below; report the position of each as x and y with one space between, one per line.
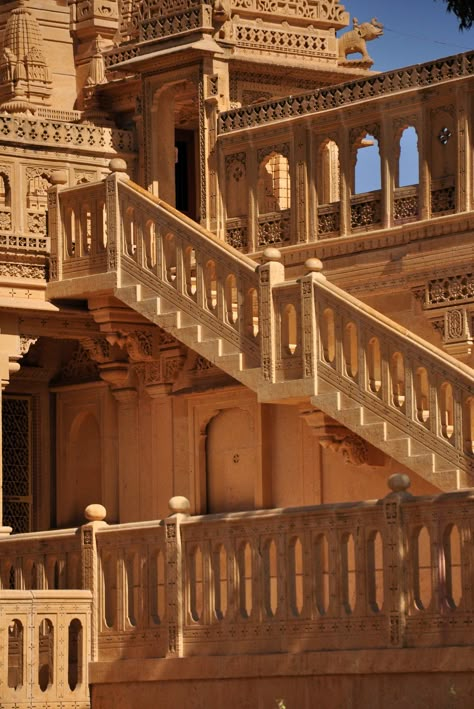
17 456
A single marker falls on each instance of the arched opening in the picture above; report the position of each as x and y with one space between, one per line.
422 395
150 245
367 174
251 312
157 587
289 330
86 229
366 203
70 232
45 654
452 565
422 589
296 576
351 350
328 336
109 576
328 188
270 578
321 573
348 573
15 654
130 232
132 588
397 374
75 641
374 365
375 585
219 575
245 577
190 271
273 188
232 299
273 199
196 583
210 283
169 253
446 410
408 173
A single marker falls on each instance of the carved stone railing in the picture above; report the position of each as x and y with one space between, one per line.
392 372
389 573
328 220
236 233
406 205
412 77
132 611
443 196
366 211
45 649
150 243
65 136
274 229
44 560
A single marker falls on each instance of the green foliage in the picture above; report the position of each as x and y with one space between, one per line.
463 10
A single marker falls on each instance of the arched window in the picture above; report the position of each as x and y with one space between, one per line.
408 162
273 190
367 174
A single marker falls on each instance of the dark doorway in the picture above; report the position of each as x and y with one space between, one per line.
185 173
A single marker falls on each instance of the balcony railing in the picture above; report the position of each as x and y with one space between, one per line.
394 572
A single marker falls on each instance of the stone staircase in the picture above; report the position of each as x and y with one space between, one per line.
304 340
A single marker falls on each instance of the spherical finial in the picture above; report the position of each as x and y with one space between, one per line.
271 254
117 165
399 482
313 265
59 177
95 513
179 505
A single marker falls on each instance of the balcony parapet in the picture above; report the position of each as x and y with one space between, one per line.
386 573
326 99
64 135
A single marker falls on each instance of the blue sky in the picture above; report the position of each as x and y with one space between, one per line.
414 32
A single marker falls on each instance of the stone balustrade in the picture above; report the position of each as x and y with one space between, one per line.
385 368
41 561
45 648
394 572
65 135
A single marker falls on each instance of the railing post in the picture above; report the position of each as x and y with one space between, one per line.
395 558
308 324
118 169
270 273
95 514
175 611
55 225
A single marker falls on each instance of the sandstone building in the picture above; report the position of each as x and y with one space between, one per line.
215 339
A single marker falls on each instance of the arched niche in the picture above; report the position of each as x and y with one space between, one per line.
231 461
83 467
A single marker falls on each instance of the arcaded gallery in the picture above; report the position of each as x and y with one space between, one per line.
237 388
